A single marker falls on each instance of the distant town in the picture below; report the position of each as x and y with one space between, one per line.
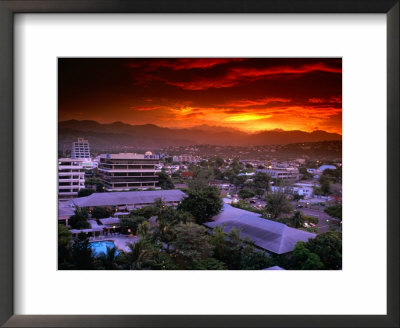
199 163
200 207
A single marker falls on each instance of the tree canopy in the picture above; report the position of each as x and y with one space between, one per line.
276 204
202 204
335 211
164 181
246 193
85 192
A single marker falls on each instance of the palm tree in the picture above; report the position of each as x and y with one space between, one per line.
109 259
297 219
139 254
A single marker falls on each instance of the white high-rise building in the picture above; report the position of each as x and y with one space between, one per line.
71 177
80 149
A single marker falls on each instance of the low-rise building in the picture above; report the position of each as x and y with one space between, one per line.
269 235
129 199
290 174
185 158
322 168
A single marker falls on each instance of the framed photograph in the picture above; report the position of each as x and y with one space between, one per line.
199 164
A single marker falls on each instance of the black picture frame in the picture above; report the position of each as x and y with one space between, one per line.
10 7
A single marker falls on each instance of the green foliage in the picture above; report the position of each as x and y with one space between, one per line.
82 211
197 184
328 246
276 204
325 186
311 219
95 182
145 211
82 253
140 256
334 176
101 213
335 211
236 166
143 229
64 245
131 222
218 241
219 161
254 260
217 173
204 163
324 252
108 261
304 174
262 181
246 193
64 235
310 229
297 220
85 192
239 181
244 205
202 204
164 181
297 197
304 259
208 264
191 242
79 219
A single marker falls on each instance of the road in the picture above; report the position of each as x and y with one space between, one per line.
323 224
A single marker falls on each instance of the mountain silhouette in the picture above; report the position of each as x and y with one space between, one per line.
119 135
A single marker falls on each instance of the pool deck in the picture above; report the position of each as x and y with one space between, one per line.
120 241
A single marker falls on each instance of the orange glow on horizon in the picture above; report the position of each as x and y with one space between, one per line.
247 94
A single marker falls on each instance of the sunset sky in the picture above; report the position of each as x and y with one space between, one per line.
250 94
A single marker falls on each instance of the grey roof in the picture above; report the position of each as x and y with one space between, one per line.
65 208
64 211
269 235
86 230
274 268
128 197
324 167
109 221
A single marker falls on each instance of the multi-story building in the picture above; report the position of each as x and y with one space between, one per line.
290 174
80 149
71 177
185 158
125 171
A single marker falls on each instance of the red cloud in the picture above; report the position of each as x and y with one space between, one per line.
242 74
331 100
316 100
144 108
256 102
184 63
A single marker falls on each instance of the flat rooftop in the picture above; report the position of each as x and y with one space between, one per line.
128 156
128 198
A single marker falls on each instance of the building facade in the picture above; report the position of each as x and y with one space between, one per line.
125 171
71 177
290 174
185 159
80 149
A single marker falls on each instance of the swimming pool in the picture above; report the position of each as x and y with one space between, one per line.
101 246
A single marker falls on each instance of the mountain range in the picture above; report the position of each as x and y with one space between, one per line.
118 136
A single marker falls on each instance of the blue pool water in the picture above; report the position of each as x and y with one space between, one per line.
101 247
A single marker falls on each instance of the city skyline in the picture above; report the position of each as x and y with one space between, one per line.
250 94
